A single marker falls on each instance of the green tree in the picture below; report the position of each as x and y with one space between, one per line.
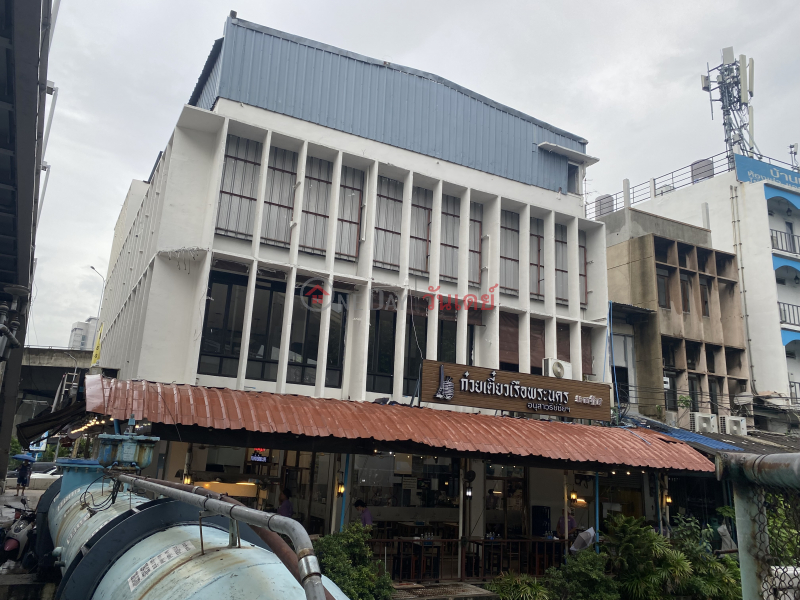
643 562
583 577
712 578
346 559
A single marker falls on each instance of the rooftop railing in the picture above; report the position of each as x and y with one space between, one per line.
699 170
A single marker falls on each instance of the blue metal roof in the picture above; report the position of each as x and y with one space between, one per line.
388 103
685 435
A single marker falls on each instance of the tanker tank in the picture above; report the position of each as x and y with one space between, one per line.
112 543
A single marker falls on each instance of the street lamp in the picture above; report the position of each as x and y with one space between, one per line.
99 306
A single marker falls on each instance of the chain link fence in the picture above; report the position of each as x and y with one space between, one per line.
766 490
777 541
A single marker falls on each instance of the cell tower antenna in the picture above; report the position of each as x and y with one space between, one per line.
731 84
793 156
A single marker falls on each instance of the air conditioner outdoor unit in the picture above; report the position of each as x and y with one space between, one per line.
733 425
702 422
552 367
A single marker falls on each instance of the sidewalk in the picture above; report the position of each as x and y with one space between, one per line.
9 498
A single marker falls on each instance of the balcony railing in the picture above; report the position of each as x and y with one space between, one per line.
659 186
411 559
790 313
794 391
785 241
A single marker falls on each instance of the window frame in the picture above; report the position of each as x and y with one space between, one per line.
230 280
705 298
686 294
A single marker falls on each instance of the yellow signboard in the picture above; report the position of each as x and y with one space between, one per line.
96 353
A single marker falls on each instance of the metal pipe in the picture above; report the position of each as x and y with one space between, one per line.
774 470
307 563
275 542
747 515
11 339
658 504
597 512
344 495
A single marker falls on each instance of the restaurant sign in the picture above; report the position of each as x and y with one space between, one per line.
448 383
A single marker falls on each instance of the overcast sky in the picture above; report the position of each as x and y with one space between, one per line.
624 75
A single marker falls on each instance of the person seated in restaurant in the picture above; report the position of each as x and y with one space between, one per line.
285 509
366 516
573 526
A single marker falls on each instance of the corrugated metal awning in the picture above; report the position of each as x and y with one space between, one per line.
341 421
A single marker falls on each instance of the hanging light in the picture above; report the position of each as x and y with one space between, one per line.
340 489
468 491
187 479
668 499
573 496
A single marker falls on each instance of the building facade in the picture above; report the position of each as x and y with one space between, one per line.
684 354
320 222
82 334
751 208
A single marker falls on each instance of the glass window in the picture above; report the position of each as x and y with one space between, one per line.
686 292
583 266
506 501
704 297
509 252
349 223
238 187
279 201
333 370
694 392
447 341
671 393
562 276
265 330
662 280
416 337
537 259
222 331
265 337
388 209
573 179
475 243
421 206
380 356
406 480
316 199
713 393
451 209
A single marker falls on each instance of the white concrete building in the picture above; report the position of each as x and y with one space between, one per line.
358 186
752 208
81 336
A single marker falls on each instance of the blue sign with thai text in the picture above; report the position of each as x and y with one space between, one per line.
750 170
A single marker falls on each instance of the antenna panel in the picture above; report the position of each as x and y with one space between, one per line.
751 67
727 56
743 79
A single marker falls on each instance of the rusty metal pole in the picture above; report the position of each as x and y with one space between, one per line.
749 473
746 518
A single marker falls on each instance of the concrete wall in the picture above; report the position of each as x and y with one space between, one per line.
741 207
156 308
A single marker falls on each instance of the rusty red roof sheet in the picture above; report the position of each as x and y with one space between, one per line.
264 412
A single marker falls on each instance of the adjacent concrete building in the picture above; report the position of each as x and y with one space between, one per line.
680 350
82 335
751 209
309 203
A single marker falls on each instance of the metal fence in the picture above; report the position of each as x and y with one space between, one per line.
790 313
785 241
437 559
767 498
